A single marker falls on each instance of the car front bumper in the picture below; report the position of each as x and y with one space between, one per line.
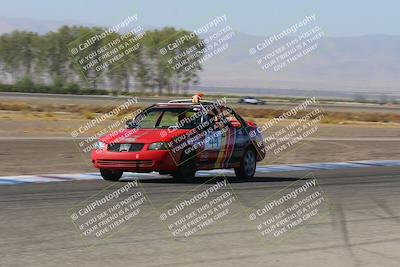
142 161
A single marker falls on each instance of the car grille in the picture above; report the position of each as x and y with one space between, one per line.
134 147
125 163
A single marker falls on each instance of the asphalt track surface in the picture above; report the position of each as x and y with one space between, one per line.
360 227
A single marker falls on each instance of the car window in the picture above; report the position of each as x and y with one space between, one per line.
149 120
166 118
233 120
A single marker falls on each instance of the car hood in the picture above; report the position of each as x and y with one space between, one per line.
141 135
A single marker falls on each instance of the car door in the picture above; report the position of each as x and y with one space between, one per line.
226 130
239 137
212 141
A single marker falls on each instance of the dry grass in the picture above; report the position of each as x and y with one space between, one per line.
90 112
87 111
329 117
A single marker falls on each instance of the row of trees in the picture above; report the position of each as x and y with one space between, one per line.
46 59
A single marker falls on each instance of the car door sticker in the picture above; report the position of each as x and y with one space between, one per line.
213 140
227 147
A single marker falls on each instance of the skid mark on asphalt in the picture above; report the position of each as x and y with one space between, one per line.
342 221
387 209
22 179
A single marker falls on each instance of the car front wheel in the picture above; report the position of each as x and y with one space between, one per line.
247 166
186 170
111 175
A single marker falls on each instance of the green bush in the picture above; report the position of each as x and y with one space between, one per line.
73 88
25 84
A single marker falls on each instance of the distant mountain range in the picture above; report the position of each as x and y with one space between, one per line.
33 25
358 64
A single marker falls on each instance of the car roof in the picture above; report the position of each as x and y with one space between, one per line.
186 103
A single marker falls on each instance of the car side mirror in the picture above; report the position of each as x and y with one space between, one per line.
251 124
236 124
129 123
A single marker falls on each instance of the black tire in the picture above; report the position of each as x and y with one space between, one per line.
247 165
187 168
110 175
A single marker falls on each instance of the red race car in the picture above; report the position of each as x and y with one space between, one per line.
178 138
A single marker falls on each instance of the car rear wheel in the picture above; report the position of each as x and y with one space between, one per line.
248 165
111 175
187 168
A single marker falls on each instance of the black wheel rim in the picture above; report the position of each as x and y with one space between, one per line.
249 163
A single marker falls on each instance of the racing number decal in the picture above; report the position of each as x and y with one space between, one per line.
213 140
227 147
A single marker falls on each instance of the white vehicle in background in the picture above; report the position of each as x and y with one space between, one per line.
251 101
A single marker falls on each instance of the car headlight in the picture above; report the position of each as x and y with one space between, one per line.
100 145
157 146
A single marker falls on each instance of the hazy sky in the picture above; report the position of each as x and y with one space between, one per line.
263 17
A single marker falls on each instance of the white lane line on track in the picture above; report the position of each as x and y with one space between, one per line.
22 179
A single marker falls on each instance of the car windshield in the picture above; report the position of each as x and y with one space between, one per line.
163 118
